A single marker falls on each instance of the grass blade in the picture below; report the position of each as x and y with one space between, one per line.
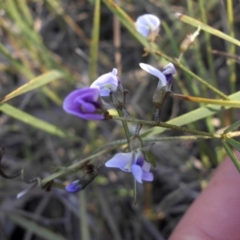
192 116
232 142
231 155
207 28
32 121
33 84
94 43
35 228
232 127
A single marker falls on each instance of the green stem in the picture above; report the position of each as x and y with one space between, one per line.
71 168
85 234
220 102
125 126
167 125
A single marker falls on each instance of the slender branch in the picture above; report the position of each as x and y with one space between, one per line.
72 168
167 125
125 126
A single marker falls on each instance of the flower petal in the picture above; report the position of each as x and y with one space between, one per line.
169 69
74 187
120 160
84 103
146 166
148 68
137 172
143 30
147 176
146 24
106 81
105 92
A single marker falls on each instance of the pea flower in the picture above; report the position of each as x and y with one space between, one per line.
84 103
165 76
73 187
106 83
133 162
148 25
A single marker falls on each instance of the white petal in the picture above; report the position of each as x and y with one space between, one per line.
115 71
143 30
147 21
119 160
108 80
169 69
148 68
104 92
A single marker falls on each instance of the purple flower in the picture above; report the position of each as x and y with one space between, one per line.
132 162
106 83
165 76
74 187
84 103
147 24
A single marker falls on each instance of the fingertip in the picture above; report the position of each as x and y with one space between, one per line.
215 215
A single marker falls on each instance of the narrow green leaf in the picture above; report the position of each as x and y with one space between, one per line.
192 116
33 84
207 28
232 127
31 120
94 42
232 142
34 227
25 10
231 155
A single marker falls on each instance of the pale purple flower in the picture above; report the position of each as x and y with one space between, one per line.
84 103
74 187
147 24
165 76
133 162
106 83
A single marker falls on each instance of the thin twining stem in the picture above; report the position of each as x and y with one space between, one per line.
167 125
125 126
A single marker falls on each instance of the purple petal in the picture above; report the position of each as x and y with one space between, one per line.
139 158
148 68
74 187
146 166
137 172
147 176
84 103
86 107
120 160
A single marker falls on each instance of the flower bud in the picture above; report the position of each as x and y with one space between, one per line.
148 26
